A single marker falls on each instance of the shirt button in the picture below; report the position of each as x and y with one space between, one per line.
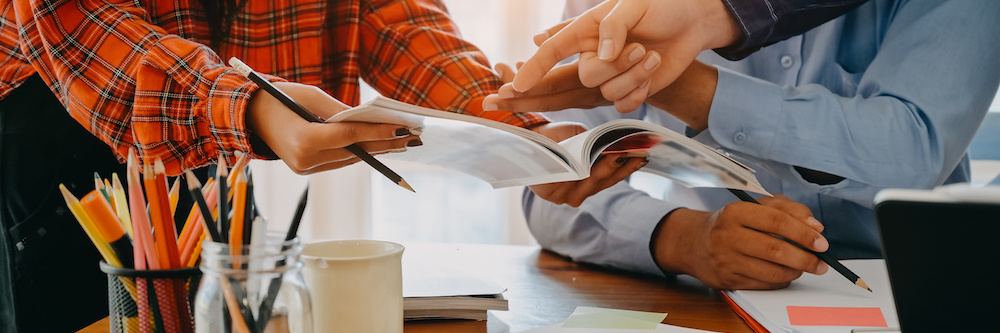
787 61
740 138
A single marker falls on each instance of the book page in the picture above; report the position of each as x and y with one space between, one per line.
671 154
830 290
500 154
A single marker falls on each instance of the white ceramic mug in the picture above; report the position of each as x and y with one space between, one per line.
356 285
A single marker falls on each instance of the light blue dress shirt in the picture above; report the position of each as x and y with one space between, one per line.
887 96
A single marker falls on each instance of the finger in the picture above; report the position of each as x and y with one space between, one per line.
584 98
612 169
780 252
633 78
578 36
594 72
763 274
339 135
544 35
614 29
505 72
633 100
797 210
772 221
325 156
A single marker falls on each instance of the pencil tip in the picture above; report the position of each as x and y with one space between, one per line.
403 183
861 283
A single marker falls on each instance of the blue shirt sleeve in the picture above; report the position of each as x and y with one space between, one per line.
917 103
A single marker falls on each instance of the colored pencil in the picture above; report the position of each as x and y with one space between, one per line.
204 204
221 174
239 211
140 219
834 263
88 227
106 223
121 204
174 195
312 117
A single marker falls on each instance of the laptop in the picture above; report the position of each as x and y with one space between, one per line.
941 249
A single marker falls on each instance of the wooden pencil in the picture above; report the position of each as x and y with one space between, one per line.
121 204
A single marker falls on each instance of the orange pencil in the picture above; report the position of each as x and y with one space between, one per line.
239 210
191 221
199 226
106 222
241 162
163 224
141 227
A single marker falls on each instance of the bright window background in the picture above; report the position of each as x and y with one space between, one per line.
358 203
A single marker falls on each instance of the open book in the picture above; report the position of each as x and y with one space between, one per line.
505 155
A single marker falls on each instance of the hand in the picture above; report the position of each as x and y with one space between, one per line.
607 171
314 147
677 30
562 88
734 248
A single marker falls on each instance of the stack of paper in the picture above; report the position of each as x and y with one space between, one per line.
437 296
587 319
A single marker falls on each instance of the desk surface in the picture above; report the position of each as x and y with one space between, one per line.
543 289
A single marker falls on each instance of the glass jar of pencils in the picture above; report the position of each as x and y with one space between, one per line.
253 288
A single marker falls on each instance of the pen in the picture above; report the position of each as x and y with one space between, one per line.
305 114
840 268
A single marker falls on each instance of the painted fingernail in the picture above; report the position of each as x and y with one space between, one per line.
606 49
402 131
642 165
652 62
636 54
821 245
415 143
621 160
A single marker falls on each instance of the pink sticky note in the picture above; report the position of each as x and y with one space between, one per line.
835 316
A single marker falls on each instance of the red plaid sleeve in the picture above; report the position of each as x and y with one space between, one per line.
131 83
412 51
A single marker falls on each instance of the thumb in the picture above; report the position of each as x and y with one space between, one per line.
614 28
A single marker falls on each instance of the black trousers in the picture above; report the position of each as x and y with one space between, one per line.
49 276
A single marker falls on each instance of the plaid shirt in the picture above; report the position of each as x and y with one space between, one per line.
138 73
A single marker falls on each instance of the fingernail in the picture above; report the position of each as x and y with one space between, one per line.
644 85
415 143
489 106
652 62
499 72
821 245
396 150
636 54
621 160
402 131
606 49
822 268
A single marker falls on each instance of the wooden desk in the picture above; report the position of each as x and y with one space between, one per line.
543 289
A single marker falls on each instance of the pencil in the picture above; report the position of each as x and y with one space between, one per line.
174 195
164 230
239 211
140 219
203 205
312 117
88 227
275 285
836 265
99 185
106 223
121 204
248 214
221 174
242 160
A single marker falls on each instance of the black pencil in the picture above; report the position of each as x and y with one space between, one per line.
223 214
275 285
194 186
312 117
836 265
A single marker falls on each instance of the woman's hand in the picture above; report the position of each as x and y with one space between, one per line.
314 147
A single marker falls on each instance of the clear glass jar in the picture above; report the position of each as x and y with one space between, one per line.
259 289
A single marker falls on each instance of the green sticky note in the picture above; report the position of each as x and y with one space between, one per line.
591 317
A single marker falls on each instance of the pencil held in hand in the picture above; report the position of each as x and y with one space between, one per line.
312 117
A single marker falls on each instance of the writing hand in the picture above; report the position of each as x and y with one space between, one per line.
735 247
308 147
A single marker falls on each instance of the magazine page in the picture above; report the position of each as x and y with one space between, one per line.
671 155
500 154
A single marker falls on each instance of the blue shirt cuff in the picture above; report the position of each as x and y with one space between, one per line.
745 113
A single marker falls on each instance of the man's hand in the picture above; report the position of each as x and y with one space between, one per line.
734 248
313 147
673 32
609 170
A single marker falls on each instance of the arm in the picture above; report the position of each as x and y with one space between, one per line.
907 123
765 22
414 53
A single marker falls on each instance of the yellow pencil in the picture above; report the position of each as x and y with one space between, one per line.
121 204
174 195
88 227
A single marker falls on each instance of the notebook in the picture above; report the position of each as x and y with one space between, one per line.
940 248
